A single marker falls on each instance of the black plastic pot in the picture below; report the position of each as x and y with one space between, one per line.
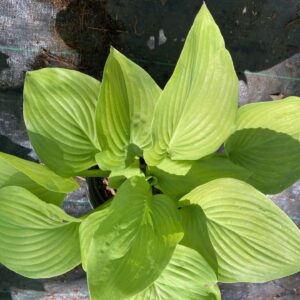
98 191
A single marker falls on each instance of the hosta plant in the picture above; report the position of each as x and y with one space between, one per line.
188 166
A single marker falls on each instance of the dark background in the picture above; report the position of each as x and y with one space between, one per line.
259 34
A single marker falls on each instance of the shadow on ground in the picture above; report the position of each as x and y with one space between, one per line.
10 279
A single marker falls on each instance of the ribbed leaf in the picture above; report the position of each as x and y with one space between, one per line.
134 243
37 240
40 174
36 178
59 112
253 240
272 157
197 109
124 112
196 233
176 178
280 115
187 276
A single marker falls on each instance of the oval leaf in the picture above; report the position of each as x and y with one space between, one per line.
11 177
272 157
124 111
176 178
253 240
197 109
134 243
36 178
37 240
187 276
59 113
280 115
40 174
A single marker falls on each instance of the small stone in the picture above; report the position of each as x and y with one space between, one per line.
151 42
161 37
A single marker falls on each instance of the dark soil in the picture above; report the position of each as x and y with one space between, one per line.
87 27
47 59
258 34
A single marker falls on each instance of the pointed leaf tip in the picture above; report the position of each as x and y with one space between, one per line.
201 94
124 111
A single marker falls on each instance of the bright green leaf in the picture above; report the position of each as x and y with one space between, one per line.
37 240
124 112
197 109
89 226
59 113
118 176
134 243
253 240
36 178
87 230
19 179
272 157
187 276
176 178
196 233
40 174
280 115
